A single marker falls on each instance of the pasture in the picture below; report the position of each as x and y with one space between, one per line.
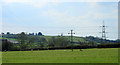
107 55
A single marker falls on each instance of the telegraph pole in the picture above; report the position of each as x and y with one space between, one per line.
71 33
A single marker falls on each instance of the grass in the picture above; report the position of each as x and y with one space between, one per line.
9 38
108 55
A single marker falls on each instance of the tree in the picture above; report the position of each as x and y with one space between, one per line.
51 42
39 33
61 42
6 45
80 43
31 40
22 39
2 33
58 42
8 33
41 42
31 34
92 43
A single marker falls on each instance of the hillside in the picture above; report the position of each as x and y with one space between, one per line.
75 39
28 42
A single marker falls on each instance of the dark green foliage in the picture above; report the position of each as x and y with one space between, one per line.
8 33
109 45
2 33
92 43
41 45
51 42
6 45
75 39
31 40
22 39
41 41
58 42
15 47
39 33
99 40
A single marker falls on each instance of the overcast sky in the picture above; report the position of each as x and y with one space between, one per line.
54 18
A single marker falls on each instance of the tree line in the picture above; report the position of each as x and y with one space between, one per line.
31 42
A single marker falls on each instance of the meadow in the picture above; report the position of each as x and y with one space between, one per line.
104 55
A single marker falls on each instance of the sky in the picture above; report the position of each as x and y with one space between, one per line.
54 17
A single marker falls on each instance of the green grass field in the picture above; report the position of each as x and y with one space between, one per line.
108 55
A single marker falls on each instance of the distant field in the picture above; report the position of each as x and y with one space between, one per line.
108 55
